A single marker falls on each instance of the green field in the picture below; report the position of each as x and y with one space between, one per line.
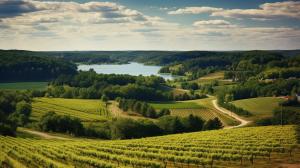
210 77
86 110
24 85
176 105
260 107
243 147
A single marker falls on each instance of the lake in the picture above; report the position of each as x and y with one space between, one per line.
133 68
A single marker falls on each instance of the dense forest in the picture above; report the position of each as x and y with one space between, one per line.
16 66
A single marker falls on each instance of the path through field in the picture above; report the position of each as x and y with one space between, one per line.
43 134
232 114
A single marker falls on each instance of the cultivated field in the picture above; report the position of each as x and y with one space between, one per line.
271 146
24 85
86 110
216 76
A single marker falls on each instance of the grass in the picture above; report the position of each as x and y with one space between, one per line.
24 85
86 110
176 105
260 107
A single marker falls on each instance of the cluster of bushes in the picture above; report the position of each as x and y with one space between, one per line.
281 116
15 109
51 122
140 107
185 96
190 85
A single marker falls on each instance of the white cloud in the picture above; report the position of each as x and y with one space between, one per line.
194 10
288 9
211 22
40 25
266 11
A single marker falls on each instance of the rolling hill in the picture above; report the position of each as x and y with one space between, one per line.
243 147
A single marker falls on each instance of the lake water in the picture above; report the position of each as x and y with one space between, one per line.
132 68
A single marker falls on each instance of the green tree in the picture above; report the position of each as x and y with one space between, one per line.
213 124
23 108
151 112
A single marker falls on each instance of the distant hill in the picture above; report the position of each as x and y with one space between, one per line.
32 66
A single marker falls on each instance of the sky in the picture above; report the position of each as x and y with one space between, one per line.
59 25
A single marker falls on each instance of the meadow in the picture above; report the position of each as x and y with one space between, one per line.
24 85
85 109
243 147
176 105
262 107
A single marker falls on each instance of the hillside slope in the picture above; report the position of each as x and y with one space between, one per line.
241 147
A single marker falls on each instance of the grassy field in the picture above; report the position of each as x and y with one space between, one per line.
258 147
176 105
210 77
86 110
261 107
24 85
201 107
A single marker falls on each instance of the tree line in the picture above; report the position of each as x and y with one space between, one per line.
141 107
253 88
126 128
90 85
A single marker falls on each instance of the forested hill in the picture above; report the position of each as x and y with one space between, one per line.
148 57
26 66
29 65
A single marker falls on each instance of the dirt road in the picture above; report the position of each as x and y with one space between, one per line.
42 134
242 121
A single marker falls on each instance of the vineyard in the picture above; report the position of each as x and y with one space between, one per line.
243 147
204 109
86 110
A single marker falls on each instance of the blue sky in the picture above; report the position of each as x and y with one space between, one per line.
149 24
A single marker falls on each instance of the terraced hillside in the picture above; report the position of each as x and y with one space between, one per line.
243 147
86 110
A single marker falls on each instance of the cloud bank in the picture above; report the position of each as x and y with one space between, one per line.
53 25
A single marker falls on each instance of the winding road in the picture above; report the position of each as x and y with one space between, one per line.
242 121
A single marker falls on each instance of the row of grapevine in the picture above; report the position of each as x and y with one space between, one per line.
241 146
